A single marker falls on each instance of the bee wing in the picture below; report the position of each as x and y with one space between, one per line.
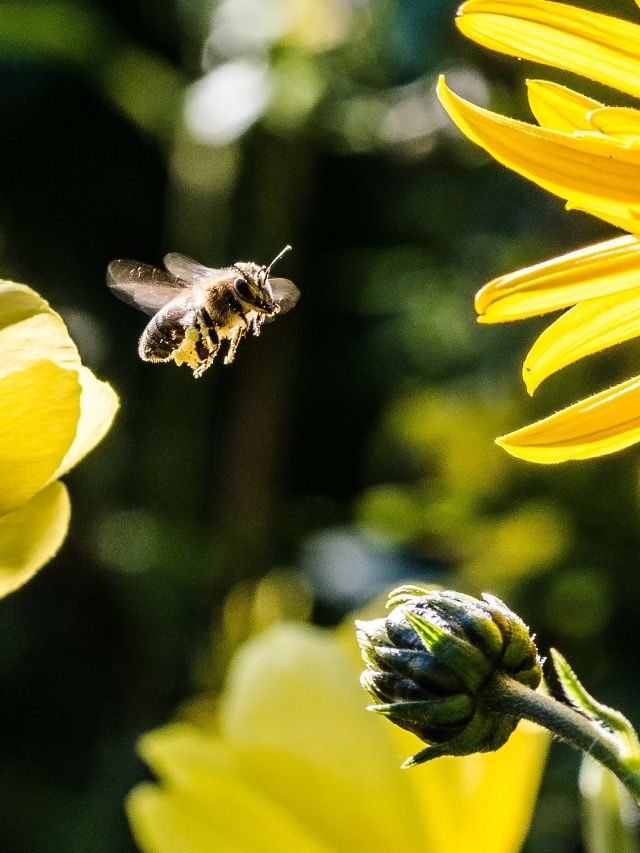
187 269
285 293
143 286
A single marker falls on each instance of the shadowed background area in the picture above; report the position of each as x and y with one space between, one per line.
351 446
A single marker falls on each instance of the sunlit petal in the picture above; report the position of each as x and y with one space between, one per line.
620 122
19 302
481 782
251 778
39 411
98 406
217 815
30 331
269 684
600 47
626 218
558 107
31 535
163 822
601 424
589 273
588 328
207 811
586 166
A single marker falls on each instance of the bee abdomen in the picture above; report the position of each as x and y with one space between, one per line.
164 333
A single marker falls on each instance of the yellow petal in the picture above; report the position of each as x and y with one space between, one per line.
619 122
39 411
558 107
601 424
19 302
214 815
244 777
98 406
595 271
273 702
599 47
459 797
589 327
31 535
626 218
30 331
585 166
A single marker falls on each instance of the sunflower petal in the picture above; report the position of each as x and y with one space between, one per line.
558 107
596 46
619 122
585 166
588 328
628 219
31 535
39 411
589 273
601 424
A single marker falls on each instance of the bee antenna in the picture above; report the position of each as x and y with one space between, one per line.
277 258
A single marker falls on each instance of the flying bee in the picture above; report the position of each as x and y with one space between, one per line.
194 308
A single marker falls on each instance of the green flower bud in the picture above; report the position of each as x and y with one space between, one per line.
432 658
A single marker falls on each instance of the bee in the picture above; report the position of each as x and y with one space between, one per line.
194 308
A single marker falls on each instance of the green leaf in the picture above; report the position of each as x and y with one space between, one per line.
609 718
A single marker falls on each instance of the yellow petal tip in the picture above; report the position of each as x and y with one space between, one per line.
531 382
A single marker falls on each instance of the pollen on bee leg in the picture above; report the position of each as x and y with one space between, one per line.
187 352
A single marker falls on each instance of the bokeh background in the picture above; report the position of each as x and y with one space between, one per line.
351 447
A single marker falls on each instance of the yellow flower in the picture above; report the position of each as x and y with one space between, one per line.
294 764
53 411
588 154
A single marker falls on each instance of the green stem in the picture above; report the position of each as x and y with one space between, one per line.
510 697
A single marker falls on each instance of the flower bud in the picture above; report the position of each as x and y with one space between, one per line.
432 658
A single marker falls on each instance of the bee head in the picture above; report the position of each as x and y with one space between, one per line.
254 291
252 286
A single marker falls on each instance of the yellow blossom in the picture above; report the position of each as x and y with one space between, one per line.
588 154
294 764
53 411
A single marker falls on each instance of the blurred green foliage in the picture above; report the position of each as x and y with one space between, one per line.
352 444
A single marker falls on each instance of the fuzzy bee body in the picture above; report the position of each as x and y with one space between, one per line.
194 308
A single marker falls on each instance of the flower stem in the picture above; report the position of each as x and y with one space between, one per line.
504 694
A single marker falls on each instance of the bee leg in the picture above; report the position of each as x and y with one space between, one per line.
235 338
206 347
256 323
211 339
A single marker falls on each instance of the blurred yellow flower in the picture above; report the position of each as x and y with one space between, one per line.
294 764
589 155
53 411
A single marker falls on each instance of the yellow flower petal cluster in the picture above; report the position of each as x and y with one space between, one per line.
588 154
294 764
53 411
